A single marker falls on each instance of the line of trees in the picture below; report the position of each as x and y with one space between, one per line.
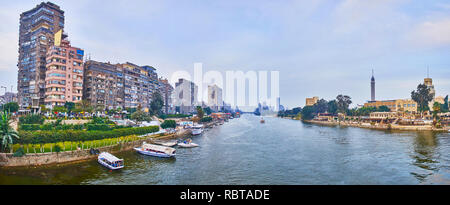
339 105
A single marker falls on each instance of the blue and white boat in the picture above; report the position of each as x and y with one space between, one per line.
110 161
155 150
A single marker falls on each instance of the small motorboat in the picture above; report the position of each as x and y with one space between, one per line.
166 143
155 150
262 120
110 161
187 144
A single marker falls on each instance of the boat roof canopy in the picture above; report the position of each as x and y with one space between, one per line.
168 150
109 157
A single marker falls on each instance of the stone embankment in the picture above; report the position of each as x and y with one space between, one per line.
379 126
37 159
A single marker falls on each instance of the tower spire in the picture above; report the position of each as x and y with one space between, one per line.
372 87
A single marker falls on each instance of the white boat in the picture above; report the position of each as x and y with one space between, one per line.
197 129
187 144
166 143
110 161
155 150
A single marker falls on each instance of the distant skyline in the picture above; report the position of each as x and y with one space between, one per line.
320 48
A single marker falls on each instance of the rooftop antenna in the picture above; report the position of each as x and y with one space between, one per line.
428 72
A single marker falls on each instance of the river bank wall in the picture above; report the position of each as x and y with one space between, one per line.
49 158
379 126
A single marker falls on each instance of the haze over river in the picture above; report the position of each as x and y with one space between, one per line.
280 151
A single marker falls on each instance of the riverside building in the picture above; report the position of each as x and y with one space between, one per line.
139 84
166 91
215 101
311 101
103 84
64 72
185 96
36 33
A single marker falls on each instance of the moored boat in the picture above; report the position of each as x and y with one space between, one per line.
187 144
155 150
110 161
197 129
166 143
262 120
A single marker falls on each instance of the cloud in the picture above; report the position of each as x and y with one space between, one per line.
430 34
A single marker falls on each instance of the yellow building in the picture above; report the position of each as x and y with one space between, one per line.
406 105
311 101
395 105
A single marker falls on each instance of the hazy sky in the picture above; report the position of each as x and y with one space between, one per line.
321 48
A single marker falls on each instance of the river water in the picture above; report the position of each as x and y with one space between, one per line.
280 151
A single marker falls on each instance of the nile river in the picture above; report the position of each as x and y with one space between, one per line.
281 151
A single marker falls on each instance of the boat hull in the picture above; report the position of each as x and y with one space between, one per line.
154 154
109 166
197 131
187 145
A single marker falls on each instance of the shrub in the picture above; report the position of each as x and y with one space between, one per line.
30 127
31 119
168 124
44 136
103 127
19 152
57 149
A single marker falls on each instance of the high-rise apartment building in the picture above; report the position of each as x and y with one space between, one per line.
185 96
166 92
64 72
215 101
36 34
140 82
103 84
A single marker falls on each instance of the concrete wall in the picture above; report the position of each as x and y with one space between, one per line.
7 160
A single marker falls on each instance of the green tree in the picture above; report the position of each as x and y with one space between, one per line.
69 106
140 116
321 106
200 112
436 109
422 96
332 107
11 107
168 124
208 110
383 108
307 113
7 133
83 106
444 107
59 109
157 103
343 102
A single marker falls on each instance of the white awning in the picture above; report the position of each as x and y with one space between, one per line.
109 157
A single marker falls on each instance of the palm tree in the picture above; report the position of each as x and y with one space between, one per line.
6 131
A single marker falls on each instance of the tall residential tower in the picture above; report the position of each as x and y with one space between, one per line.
36 34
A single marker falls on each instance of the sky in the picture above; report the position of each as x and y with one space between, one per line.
320 48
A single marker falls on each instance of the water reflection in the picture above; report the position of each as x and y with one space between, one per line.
281 151
424 156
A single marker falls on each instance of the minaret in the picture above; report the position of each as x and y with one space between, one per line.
372 87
